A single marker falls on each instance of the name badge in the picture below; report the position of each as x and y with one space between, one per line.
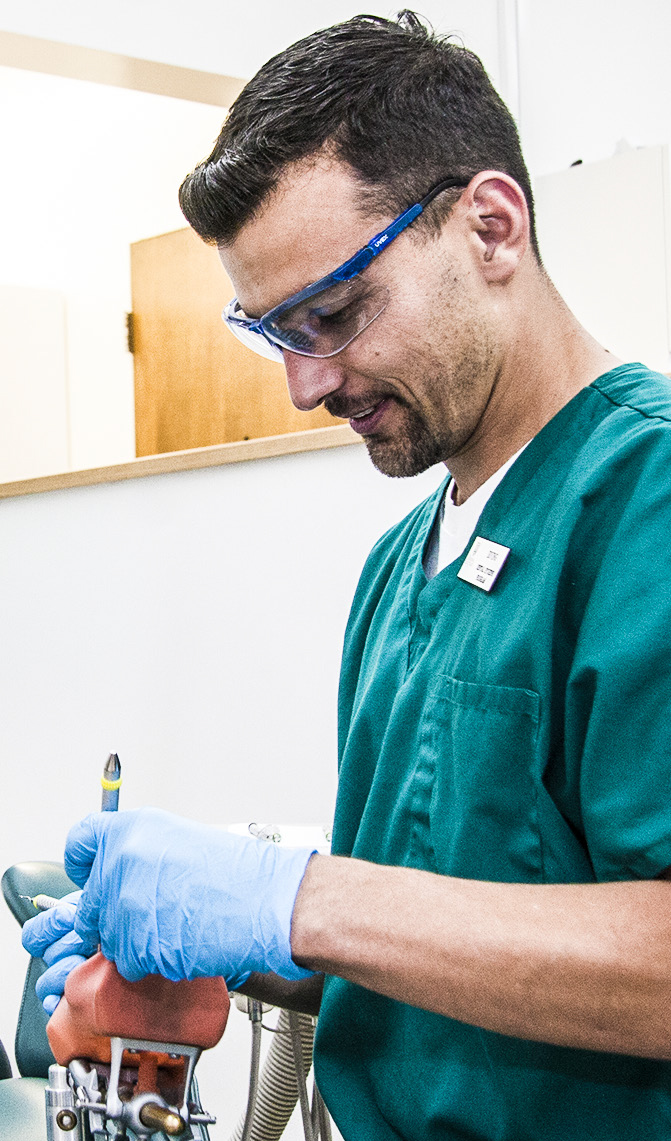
483 563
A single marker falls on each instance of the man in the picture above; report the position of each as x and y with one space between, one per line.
495 923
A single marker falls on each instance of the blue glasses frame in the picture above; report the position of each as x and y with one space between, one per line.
262 327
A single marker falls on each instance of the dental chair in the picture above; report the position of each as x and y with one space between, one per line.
22 1114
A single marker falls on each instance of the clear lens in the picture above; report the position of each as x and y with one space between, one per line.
251 339
325 323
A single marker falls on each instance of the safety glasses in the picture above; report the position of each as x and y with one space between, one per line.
325 317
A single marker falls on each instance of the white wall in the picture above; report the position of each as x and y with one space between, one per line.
193 623
222 36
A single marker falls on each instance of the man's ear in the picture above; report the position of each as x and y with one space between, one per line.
499 217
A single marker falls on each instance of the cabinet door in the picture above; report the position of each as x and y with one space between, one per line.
195 384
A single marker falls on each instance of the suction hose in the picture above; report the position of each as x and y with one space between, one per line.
278 1089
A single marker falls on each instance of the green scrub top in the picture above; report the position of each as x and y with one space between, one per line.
518 736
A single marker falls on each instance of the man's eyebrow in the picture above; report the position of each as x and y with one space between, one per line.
257 315
351 283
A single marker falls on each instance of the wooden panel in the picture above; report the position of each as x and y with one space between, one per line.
90 64
293 443
195 384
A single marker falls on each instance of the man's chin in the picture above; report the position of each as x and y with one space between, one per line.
401 459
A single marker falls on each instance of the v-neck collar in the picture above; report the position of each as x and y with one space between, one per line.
537 460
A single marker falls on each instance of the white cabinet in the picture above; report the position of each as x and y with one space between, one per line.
603 230
34 428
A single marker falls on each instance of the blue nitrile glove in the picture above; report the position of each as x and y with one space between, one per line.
164 895
50 936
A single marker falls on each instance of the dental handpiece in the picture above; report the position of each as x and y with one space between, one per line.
41 902
111 782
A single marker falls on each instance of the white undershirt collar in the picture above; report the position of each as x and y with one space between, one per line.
456 522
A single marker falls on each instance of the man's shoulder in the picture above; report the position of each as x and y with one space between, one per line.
629 438
633 388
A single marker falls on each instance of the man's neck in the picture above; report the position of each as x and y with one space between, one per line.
551 360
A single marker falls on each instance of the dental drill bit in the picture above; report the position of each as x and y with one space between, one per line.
111 782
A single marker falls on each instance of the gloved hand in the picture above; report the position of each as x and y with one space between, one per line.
164 895
50 936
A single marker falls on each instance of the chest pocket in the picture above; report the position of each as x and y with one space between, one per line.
480 741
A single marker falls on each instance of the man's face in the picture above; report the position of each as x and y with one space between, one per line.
416 382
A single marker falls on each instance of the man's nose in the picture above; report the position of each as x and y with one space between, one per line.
312 379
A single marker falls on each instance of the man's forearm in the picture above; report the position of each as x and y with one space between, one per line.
583 965
304 996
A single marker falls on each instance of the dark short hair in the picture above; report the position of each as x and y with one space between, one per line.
403 106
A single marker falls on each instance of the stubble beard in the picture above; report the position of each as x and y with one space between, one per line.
416 445
464 387
458 404
415 451
407 452
411 449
